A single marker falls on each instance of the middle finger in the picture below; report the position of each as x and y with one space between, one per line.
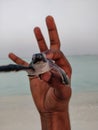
53 34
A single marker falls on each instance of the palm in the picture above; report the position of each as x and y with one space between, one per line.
44 97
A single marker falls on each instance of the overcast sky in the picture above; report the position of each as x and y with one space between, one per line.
76 20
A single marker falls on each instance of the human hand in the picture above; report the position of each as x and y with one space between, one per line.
49 94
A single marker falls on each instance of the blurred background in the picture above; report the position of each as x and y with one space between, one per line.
76 20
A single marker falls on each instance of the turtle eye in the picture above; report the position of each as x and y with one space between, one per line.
39 57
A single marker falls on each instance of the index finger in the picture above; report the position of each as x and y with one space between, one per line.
40 39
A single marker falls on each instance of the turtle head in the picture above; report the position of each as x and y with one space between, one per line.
38 57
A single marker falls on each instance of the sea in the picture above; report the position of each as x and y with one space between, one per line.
84 76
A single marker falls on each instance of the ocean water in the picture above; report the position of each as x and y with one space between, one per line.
84 76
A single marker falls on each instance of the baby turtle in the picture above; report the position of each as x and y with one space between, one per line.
39 65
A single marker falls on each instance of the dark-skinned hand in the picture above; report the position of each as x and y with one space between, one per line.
49 93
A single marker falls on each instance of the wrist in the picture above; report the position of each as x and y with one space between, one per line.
55 121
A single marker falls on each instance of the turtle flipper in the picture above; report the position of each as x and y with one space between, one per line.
14 67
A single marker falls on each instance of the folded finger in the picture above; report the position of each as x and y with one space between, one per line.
60 60
61 90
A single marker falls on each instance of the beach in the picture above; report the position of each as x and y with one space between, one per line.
84 111
19 112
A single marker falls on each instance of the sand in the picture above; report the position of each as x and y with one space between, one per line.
19 112
84 111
